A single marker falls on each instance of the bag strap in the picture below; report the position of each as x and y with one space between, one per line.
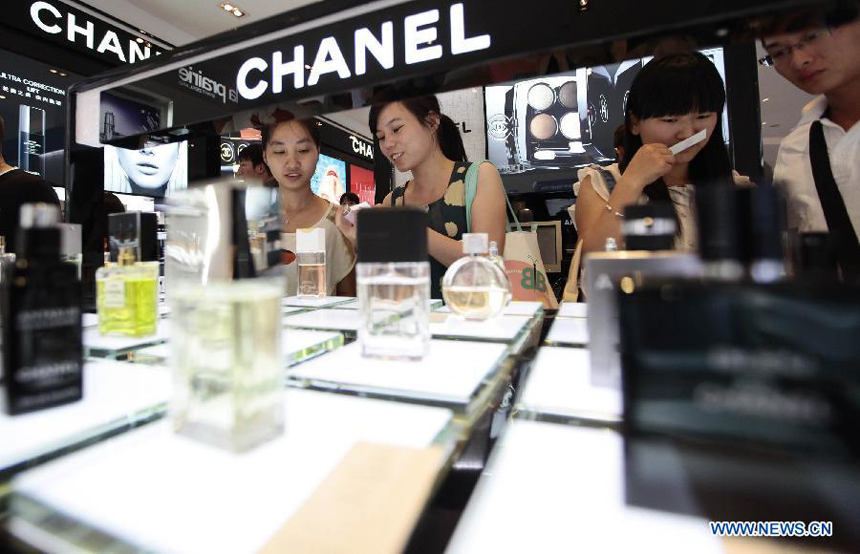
571 288
472 191
835 213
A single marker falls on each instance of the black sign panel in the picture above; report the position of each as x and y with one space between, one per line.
431 45
70 27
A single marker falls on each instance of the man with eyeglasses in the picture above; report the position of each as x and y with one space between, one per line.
818 164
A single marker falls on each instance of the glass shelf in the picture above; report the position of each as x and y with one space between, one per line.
558 388
117 397
128 478
568 332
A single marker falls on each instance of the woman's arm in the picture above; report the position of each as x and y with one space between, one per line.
347 228
488 216
596 218
346 286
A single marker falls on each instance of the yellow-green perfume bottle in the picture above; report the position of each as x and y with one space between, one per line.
127 296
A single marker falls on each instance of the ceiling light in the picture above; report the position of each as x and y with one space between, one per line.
63 74
52 70
139 40
2 97
765 99
233 9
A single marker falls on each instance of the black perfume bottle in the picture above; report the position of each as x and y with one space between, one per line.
42 342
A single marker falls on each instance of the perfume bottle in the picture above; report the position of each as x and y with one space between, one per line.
474 286
127 296
42 338
393 278
310 256
7 267
225 318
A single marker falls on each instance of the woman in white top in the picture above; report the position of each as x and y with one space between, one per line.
671 99
291 150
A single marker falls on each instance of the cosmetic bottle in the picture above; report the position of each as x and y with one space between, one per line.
225 319
393 278
719 232
42 340
7 266
473 286
762 216
127 296
310 256
651 228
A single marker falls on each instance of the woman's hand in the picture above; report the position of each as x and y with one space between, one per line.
343 224
651 162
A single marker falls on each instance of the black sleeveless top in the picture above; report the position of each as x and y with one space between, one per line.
447 216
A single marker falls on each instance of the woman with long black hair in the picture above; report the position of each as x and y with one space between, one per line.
670 100
416 136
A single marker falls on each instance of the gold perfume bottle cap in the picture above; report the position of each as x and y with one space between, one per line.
126 256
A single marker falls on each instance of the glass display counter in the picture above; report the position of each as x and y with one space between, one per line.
558 388
111 496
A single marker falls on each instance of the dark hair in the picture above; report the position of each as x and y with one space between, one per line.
618 136
351 196
447 134
252 153
2 134
309 124
677 85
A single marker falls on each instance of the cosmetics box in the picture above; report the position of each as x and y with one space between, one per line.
137 229
751 365
605 274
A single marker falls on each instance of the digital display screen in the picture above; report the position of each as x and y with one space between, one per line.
154 171
566 120
362 183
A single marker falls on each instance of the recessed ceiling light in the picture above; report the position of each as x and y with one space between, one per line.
52 70
140 40
765 99
63 74
764 122
2 97
232 8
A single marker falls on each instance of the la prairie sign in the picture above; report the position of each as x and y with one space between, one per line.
416 35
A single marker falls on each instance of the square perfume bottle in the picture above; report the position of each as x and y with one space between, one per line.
310 256
393 278
127 296
226 318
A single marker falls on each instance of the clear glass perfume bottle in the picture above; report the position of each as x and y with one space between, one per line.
127 296
225 319
393 278
310 256
475 287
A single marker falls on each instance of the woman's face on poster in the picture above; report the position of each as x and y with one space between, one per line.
149 167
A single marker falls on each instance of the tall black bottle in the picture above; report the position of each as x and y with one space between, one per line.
42 337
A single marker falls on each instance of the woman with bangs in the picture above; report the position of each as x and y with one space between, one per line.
670 100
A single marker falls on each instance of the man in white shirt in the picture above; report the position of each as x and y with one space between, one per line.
824 60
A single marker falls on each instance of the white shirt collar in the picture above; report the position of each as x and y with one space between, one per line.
814 110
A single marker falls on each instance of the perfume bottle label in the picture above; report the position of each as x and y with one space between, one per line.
114 293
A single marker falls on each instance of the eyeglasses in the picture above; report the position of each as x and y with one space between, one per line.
784 54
